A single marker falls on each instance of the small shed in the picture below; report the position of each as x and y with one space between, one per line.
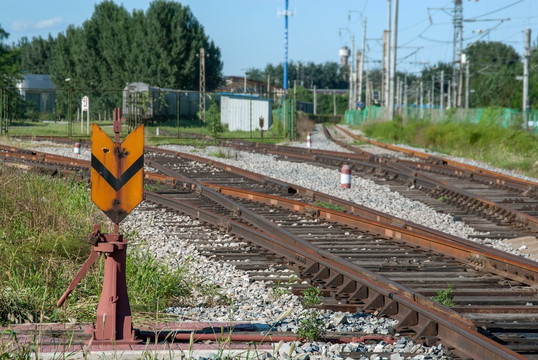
244 112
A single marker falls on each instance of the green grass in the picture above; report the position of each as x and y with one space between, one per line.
329 206
44 224
507 148
445 297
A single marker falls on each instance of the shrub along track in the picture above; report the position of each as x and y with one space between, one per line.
361 258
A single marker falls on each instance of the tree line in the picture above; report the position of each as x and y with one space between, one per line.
159 46
494 77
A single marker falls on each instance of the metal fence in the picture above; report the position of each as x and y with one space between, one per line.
140 103
500 116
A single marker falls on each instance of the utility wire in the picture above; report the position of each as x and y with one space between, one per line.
494 11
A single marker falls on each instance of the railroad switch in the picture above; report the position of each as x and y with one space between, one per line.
117 188
113 323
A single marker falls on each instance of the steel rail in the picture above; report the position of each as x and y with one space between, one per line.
375 292
18 154
498 178
483 257
351 281
508 265
440 188
515 268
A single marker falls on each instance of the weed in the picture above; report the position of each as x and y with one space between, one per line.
488 140
43 226
279 290
329 206
221 154
10 347
152 186
445 297
311 326
311 296
442 198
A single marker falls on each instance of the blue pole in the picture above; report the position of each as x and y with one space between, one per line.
286 49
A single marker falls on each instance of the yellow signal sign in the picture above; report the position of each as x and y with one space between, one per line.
117 172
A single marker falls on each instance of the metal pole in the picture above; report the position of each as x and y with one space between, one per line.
315 100
385 72
286 50
405 91
458 33
387 79
526 61
351 73
398 93
363 54
467 83
449 92
432 91
178 102
421 99
334 102
202 85
393 57
442 91
69 125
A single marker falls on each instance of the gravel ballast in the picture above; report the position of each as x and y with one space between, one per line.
165 235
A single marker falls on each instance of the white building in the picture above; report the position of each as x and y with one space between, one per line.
244 112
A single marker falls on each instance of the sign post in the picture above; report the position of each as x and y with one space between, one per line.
85 106
117 175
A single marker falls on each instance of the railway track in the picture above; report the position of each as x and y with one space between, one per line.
378 255
371 265
499 205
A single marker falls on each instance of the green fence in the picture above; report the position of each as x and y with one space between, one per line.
500 116
286 115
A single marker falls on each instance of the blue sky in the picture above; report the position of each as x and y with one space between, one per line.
250 33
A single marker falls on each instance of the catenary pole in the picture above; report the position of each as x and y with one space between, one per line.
393 57
363 54
526 61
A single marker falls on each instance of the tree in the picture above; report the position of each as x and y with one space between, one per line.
113 47
324 76
213 119
434 73
10 74
36 55
10 71
494 67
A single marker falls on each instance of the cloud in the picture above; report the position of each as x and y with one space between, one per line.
20 25
24 25
49 23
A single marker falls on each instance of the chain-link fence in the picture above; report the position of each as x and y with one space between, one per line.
499 116
69 111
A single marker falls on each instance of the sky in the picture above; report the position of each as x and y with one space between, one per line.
250 33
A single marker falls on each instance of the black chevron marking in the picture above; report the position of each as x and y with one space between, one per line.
117 183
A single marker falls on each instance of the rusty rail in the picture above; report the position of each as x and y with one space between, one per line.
348 280
498 178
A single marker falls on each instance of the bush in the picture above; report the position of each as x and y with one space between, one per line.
510 148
